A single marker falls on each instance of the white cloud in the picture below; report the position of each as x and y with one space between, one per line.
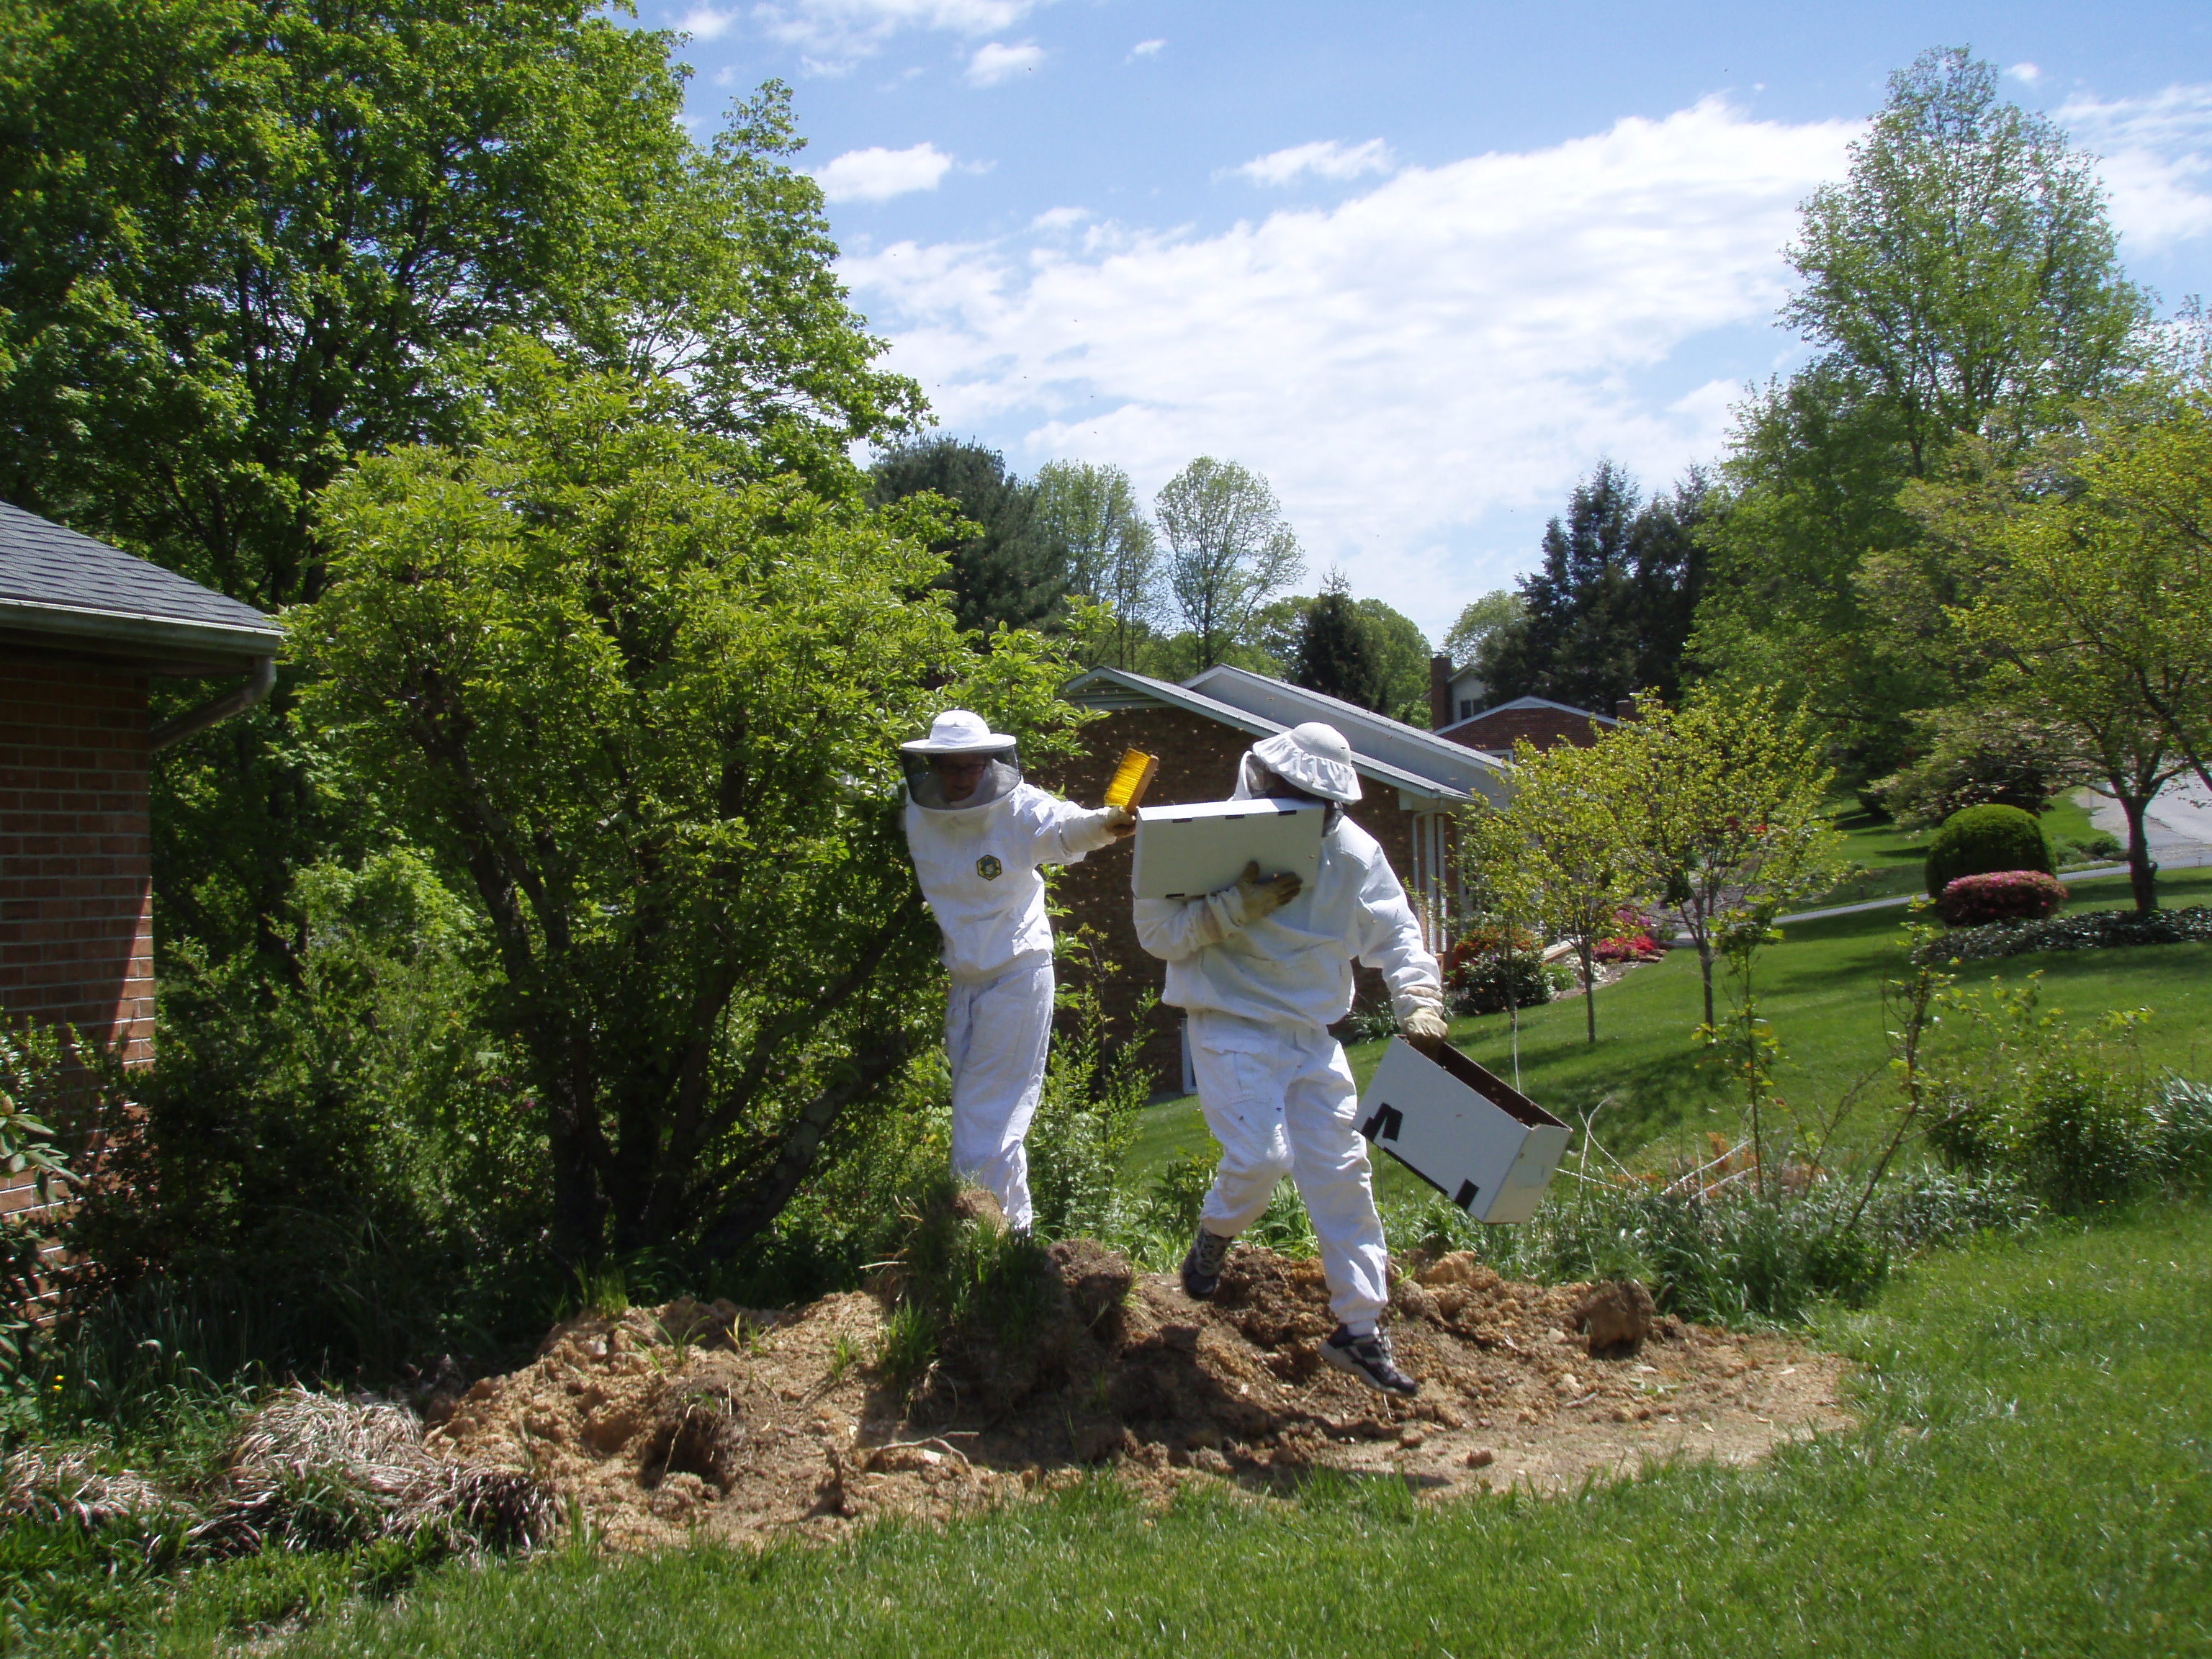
877 175
2027 74
994 62
1147 48
2157 152
1059 218
705 23
834 32
1326 160
1411 367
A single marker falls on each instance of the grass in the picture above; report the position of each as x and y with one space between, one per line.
2030 1476
1821 987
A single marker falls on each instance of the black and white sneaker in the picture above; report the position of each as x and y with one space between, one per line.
1201 1266
1367 1358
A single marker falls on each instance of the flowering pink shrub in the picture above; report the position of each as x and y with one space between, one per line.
2000 895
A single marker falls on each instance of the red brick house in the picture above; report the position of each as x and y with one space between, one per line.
1416 785
1544 723
84 629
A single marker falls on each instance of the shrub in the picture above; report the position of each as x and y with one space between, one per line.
2001 896
1985 839
2184 1110
1489 985
2073 1114
2092 930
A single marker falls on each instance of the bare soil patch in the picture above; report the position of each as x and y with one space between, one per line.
743 1425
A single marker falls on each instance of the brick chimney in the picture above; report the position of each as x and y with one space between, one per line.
1440 703
1624 708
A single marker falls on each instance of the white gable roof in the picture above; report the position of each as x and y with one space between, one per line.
1426 771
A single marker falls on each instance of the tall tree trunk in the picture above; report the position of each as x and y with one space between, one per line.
2142 874
1589 992
1705 968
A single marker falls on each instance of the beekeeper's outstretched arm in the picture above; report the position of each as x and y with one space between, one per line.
1063 833
1173 929
1388 940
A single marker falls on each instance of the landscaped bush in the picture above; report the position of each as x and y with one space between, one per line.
1489 985
2002 896
1985 839
2091 930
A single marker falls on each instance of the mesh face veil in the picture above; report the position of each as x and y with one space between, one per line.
962 734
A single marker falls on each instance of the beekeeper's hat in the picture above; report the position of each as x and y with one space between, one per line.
957 732
1314 756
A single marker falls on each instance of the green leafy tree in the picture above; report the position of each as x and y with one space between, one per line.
1005 571
1478 620
1967 268
1089 517
1401 657
241 242
1228 551
1963 279
642 703
1559 853
1728 828
2090 614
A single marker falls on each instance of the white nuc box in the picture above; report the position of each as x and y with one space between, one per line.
1184 852
1482 1143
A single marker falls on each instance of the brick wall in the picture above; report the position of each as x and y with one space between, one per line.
1198 761
1497 730
76 923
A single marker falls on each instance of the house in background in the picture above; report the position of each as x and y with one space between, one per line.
1544 723
84 630
1415 784
1455 695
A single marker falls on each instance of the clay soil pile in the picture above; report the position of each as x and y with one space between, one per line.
742 1424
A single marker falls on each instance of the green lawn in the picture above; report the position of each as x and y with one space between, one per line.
1821 987
2031 1477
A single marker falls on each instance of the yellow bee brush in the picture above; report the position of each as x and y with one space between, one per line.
1131 779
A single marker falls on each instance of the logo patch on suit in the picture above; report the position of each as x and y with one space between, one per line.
988 866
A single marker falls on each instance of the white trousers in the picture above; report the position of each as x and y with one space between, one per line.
996 1033
1281 1102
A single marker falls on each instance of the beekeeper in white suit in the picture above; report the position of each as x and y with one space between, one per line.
1262 968
977 833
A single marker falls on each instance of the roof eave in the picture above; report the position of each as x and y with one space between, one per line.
175 646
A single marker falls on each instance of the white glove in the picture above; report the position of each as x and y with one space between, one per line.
1100 827
1425 1028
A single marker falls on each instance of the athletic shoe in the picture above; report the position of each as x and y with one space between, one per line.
1202 1267
1367 1358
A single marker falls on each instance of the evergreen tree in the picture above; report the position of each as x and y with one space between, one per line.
1610 610
1335 655
1009 574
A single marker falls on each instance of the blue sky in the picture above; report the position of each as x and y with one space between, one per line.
1421 265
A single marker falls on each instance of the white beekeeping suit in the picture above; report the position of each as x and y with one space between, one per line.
1262 968
976 850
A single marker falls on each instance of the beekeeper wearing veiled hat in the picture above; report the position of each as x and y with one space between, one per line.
977 833
1262 968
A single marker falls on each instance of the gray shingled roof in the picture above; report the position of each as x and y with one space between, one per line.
52 580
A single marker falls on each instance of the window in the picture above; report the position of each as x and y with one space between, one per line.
1467 709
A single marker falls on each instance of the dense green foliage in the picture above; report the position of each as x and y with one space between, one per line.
1964 280
1333 653
1982 840
643 704
242 242
1001 567
1609 611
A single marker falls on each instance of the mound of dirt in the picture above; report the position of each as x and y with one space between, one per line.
741 1423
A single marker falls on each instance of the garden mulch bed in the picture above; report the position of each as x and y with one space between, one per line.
743 1425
